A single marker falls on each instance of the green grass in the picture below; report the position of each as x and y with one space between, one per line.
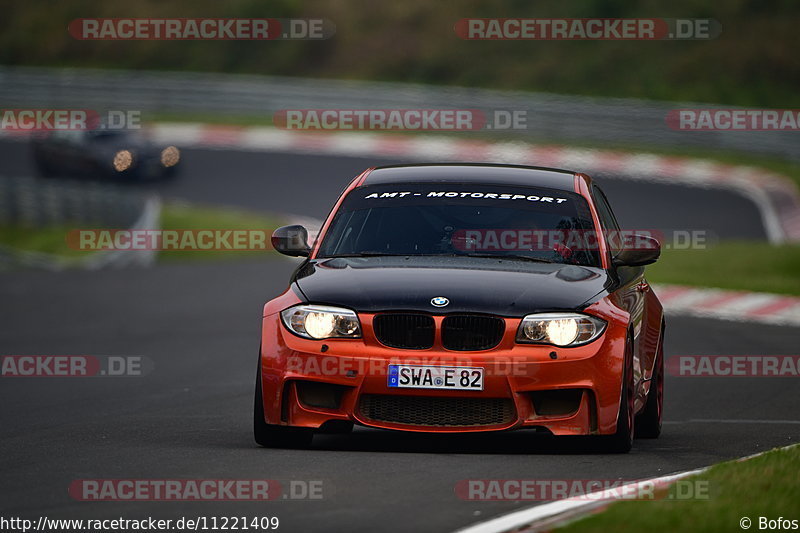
763 486
754 266
49 240
174 216
185 216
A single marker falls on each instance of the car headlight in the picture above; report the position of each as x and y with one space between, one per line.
123 160
560 329
170 156
321 322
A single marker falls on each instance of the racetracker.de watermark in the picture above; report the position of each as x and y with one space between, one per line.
465 240
165 240
194 490
734 119
401 119
342 365
199 29
74 366
507 240
38 120
584 489
734 366
587 29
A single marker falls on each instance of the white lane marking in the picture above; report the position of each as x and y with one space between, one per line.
260 139
642 165
354 144
786 315
692 300
701 170
748 302
740 421
531 515
513 153
769 213
183 134
581 160
423 147
554 513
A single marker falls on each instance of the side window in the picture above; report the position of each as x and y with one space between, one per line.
607 219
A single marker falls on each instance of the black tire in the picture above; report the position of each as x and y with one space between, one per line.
336 427
648 422
622 440
274 436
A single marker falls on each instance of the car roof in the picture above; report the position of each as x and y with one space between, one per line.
518 175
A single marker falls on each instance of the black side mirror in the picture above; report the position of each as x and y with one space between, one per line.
291 240
639 250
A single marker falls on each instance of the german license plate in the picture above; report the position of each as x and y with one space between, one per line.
435 377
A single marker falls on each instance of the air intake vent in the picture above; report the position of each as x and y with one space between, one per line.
405 330
472 332
438 412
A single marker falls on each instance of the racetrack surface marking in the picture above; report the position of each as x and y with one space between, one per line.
776 196
741 306
551 515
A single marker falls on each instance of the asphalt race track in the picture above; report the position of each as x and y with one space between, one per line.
308 185
190 416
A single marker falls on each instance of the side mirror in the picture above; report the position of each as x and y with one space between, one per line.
291 241
639 251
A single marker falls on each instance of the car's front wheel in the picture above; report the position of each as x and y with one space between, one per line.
648 423
622 440
271 435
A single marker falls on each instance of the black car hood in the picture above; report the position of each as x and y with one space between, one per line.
500 287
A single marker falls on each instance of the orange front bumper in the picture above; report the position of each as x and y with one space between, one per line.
308 383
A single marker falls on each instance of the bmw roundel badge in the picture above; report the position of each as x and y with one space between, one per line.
439 301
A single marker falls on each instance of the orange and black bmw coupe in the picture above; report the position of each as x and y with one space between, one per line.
464 298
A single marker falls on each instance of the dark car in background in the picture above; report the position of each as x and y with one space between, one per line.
105 154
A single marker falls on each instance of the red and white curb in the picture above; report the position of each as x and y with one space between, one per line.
739 306
549 516
776 196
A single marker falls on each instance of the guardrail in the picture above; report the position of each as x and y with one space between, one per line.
39 203
551 118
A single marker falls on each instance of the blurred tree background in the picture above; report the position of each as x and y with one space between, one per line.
754 62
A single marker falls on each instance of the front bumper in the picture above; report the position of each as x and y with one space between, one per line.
567 391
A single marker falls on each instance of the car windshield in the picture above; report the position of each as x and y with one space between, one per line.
443 219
